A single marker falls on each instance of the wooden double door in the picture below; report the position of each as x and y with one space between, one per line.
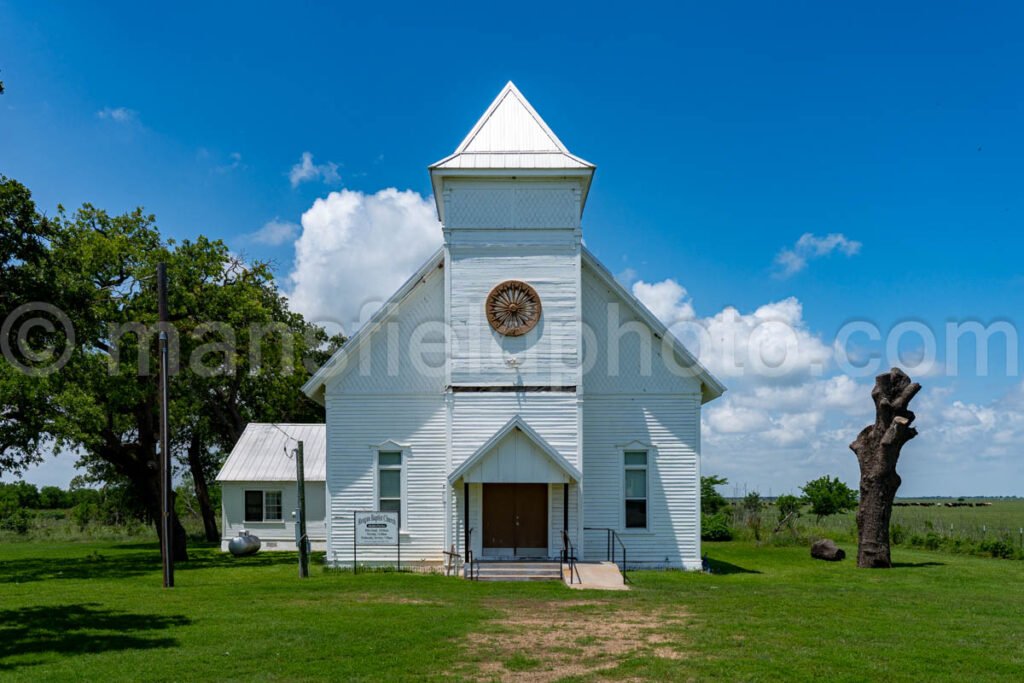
515 519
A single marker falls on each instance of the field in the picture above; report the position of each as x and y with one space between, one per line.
95 611
988 528
1001 517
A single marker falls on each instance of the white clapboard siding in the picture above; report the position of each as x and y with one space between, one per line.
406 353
356 425
670 427
555 517
476 417
618 341
547 355
274 535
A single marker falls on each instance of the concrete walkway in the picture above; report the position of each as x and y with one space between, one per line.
602 576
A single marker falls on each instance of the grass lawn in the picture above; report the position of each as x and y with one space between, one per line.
96 611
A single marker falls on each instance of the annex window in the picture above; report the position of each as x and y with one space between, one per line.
389 482
636 489
262 506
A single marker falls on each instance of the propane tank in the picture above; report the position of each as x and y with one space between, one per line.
244 544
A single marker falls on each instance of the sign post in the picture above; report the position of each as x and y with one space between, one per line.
375 528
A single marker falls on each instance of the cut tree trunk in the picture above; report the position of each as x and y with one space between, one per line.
878 449
195 465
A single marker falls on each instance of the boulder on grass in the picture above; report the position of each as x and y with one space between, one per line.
827 550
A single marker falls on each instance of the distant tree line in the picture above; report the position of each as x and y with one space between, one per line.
825 496
111 505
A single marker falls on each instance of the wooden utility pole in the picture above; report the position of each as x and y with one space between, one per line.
300 477
166 545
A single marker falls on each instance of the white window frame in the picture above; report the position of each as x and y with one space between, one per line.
392 447
263 499
652 453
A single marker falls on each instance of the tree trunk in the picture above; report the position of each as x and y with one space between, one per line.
195 465
878 449
179 539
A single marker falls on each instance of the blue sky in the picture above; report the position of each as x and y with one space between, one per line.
722 132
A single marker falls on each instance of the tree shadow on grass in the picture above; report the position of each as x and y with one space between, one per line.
85 628
720 567
92 566
124 565
915 565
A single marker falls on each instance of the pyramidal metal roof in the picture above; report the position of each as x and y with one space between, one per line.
511 135
263 453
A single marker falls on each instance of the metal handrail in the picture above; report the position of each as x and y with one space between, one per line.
613 538
568 556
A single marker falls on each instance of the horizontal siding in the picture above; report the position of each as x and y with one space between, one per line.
476 417
406 354
614 352
555 517
671 425
282 533
547 354
355 425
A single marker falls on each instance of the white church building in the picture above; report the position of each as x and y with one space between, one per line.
512 389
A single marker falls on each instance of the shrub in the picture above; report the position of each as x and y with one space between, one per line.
83 513
711 501
788 506
17 521
1000 549
715 528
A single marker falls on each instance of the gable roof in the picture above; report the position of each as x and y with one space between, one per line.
510 137
313 388
263 453
519 423
711 387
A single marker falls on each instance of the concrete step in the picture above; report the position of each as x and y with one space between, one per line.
518 571
599 576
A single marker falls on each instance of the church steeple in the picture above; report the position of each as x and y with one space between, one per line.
510 139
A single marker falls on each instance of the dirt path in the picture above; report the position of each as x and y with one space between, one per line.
548 641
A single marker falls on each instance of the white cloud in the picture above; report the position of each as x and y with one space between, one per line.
666 299
775 430
357 249
275 233
118 114
306 171
793 260
729 418
771 342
